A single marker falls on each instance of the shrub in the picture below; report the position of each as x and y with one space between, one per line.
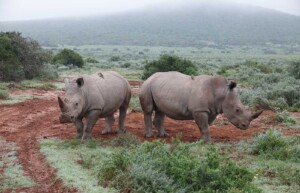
294 69
4 95
158 167
115 58
91 60
169 63
285 118
273 145
68 57
20 58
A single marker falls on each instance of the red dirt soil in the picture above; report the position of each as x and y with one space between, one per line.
26 122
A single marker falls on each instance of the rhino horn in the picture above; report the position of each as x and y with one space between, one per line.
61 103
256 114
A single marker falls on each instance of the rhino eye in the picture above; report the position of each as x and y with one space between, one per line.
238 110
76 104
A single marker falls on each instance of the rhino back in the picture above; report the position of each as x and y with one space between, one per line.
106 93
171 93
178 95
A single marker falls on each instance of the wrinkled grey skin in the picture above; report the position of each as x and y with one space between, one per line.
92 97
199 98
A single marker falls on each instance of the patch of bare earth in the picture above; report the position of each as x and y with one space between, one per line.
26 122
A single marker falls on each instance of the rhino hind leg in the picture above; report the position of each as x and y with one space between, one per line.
122 116
109 123
158 122
148 124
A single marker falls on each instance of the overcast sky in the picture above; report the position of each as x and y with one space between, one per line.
11 10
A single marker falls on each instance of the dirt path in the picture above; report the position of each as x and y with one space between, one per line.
27 122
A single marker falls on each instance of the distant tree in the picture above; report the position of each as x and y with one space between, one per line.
294 69
91 60
20 58
169 63
68 57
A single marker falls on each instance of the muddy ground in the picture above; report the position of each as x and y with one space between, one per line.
26 122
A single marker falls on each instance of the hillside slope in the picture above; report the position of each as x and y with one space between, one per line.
191 25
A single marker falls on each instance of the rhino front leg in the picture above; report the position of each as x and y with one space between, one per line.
148 124
201 119
122 115
109 123
158 123
91 120
79 127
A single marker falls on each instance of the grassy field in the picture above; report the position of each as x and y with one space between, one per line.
248 166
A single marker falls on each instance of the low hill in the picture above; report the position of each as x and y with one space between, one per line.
190 25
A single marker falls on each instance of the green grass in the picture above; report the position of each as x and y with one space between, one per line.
4 95
135 104
36 84
125 163
12 176
71 159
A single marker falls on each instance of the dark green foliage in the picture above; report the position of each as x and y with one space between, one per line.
264 85
68 57
115 58
273 145
4 95
169 63
159 167
20 58
91 60
285 118
294 69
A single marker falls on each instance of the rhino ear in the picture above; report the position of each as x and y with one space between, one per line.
60 102
232 84
80 82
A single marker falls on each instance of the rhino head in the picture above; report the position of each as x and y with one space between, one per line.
235 111
72 105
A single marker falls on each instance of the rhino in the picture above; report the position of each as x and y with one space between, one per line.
200 98
95 96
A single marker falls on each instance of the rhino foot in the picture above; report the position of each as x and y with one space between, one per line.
121 131
86 136
163 135
147 135
79 135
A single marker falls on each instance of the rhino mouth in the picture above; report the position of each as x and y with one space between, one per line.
65 119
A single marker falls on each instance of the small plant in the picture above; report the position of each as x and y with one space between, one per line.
126 140
91 60
134 104
285 118
269 144
4 95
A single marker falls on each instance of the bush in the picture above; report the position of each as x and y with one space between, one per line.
4 95
273 145
91 60
285 118
158 167
20 58
169 63
68 57
294 69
